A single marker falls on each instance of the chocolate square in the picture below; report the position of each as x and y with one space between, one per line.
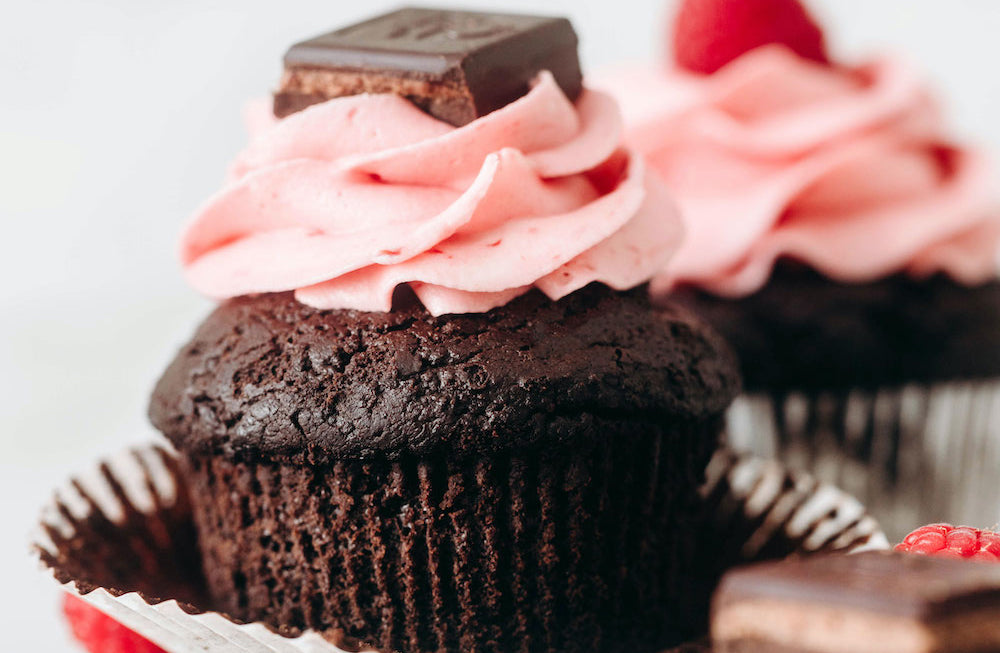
455 65
885 602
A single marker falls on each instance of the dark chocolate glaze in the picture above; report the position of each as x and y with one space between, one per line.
805 332
486 60
269 375
899 584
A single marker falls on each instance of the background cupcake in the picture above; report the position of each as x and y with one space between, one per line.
436 410
846 246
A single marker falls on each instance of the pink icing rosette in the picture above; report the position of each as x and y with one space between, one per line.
349 199
845 169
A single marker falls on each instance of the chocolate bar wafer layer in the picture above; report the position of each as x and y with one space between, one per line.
455 65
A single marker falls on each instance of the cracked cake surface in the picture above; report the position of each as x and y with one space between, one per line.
269 375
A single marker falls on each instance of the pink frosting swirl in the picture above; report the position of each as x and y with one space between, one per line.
845 169
348 199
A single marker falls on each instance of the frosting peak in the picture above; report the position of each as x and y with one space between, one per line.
845 169
348 199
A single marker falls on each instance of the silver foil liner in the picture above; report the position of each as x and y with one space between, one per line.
914 455
122 538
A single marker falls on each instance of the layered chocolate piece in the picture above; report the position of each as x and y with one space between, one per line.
455 65
868 603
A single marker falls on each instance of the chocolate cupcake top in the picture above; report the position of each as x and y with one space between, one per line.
270 375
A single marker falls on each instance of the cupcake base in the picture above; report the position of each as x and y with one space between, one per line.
580 549
913 455
123 538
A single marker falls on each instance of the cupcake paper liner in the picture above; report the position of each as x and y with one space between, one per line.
123 539
569 549
913 455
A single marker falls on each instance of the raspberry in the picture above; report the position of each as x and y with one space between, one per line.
708 34
99 633
948 541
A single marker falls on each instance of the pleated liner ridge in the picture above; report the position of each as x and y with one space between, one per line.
587 549
914 454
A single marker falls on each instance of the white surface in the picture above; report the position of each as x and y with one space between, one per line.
117 117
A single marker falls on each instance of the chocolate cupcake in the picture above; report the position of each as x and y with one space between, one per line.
430 414
846 246
514 479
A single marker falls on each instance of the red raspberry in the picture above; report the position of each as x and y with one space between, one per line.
708 34
99 633
947 541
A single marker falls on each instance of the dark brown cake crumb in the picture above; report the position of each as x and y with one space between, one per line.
268 376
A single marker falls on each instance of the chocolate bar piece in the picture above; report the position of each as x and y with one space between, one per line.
866 603
455 65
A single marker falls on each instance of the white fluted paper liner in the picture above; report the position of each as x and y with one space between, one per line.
757 505
914 455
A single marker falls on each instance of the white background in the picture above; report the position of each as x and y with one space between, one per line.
117 117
